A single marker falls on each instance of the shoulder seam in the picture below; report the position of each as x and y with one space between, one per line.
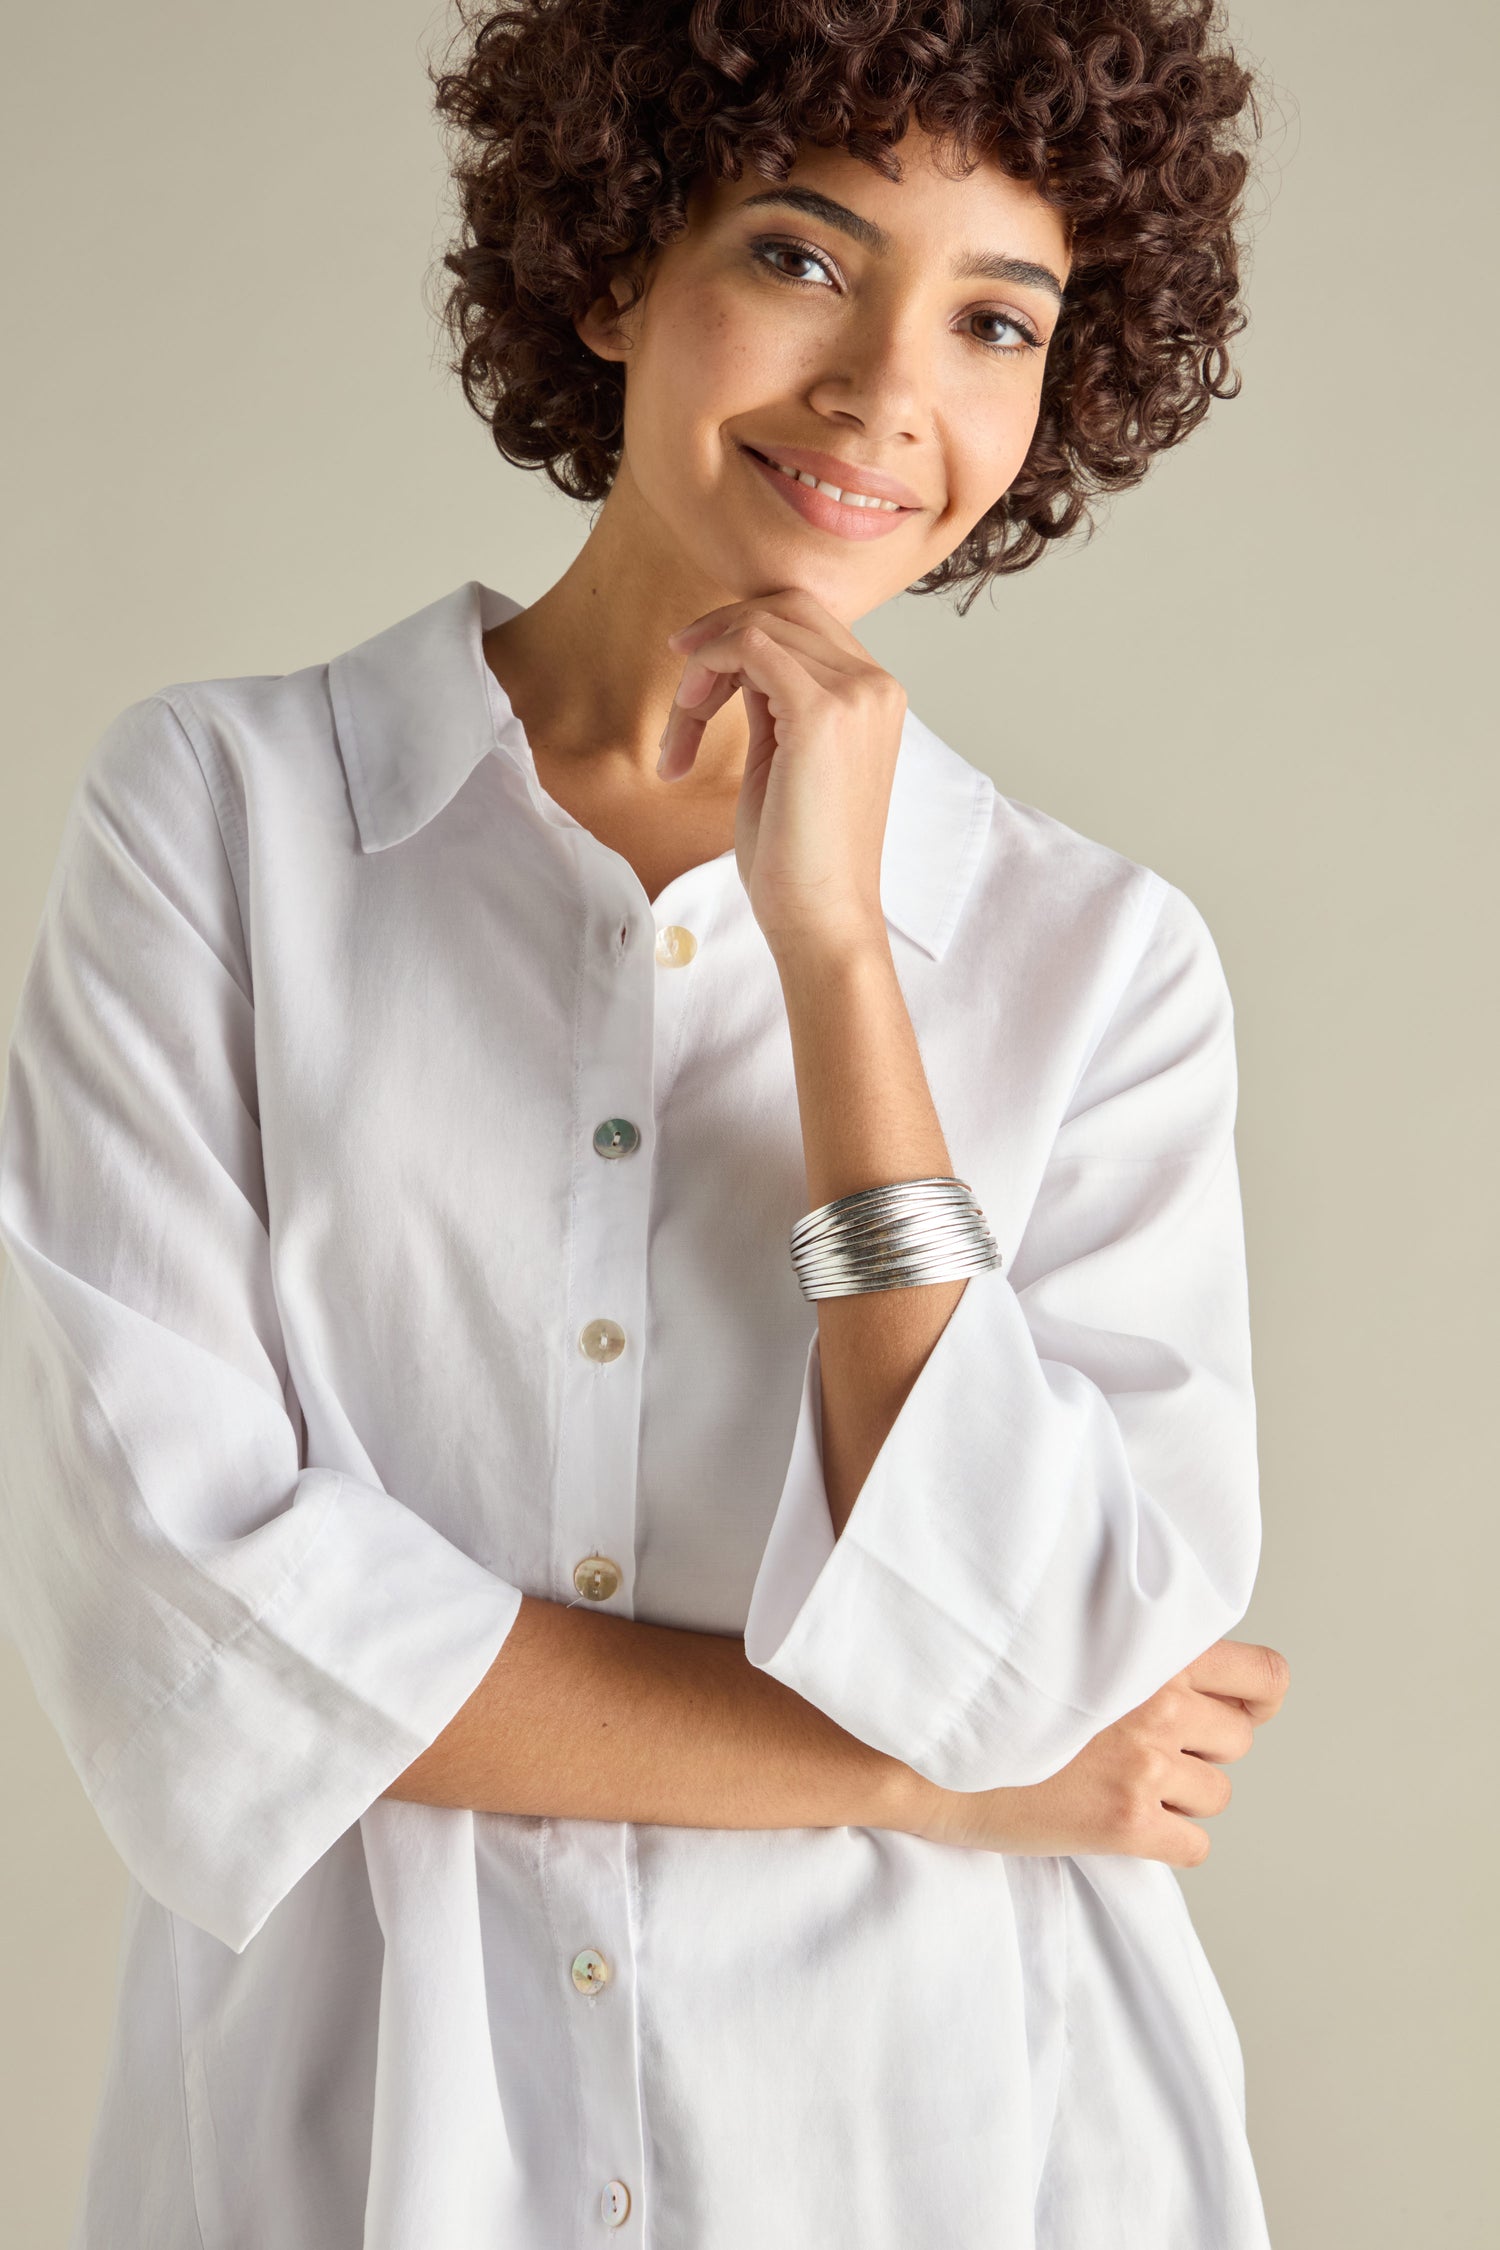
190 727
1150 905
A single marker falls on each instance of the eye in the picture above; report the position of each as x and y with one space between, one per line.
1024 338
769 248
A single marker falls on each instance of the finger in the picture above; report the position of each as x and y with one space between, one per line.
703 690
700 694
792 633
1196 1786
682 735
718 669
1215 1726
713 676
793 604
732 656
1173 1838
1252 1674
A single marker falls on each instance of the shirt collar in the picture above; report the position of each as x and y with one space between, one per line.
415 713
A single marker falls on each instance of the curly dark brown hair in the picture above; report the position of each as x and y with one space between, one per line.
577 128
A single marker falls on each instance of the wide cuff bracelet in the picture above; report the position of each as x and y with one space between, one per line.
892 1237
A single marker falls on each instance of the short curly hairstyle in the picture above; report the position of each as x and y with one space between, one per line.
577 127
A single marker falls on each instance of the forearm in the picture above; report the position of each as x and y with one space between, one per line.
589 1717
867 1119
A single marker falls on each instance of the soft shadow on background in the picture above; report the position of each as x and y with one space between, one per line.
234 449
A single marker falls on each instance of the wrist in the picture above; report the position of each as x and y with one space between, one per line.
807 961
903 1799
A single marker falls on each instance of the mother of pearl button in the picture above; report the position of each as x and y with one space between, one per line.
675 946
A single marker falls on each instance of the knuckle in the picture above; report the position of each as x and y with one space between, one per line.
1198 1846
1135 1827
1141 1764
1277 1671
1125 1810
1225 1787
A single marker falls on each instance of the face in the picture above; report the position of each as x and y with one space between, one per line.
886 337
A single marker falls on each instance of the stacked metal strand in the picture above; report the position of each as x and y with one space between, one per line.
890 1237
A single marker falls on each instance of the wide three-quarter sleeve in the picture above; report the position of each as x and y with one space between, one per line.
239 1651
1066 1509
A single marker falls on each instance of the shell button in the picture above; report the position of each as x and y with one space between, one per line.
616 1137
590 1970
675 946
597 1578
603 1340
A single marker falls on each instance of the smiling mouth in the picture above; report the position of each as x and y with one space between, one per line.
833 491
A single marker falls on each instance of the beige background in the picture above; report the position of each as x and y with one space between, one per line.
233 448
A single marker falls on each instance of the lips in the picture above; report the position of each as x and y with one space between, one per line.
848 519
848 476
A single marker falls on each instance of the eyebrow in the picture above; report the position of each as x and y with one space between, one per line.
983 266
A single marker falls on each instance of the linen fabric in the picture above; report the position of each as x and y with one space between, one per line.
306 1227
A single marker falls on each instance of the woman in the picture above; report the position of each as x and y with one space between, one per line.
628 1706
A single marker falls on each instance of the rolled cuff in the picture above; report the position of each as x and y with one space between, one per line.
277 1742
1003 1588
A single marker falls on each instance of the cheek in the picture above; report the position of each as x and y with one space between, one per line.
996 424
702 353
710 357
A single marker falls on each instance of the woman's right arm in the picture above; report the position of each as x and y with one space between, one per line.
585 1716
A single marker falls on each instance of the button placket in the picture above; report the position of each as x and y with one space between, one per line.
603 1312
589 1914
594 1531
632 1012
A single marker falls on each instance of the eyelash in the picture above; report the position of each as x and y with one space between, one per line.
1030 341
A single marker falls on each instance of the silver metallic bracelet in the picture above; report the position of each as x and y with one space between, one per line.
890 1237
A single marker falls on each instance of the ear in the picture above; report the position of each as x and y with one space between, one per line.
605 326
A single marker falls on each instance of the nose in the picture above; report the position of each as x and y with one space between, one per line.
878 376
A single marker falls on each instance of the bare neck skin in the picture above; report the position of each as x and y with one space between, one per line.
588 672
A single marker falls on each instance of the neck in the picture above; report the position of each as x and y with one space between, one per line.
586 666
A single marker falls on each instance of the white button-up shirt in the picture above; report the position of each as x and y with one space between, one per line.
397 1205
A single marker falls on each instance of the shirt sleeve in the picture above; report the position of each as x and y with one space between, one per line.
1066 1510
240 1651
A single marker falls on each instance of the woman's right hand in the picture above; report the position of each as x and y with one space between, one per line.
1137 1786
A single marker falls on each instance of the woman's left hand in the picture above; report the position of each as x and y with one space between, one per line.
825 729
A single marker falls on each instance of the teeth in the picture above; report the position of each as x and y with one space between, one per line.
850 499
